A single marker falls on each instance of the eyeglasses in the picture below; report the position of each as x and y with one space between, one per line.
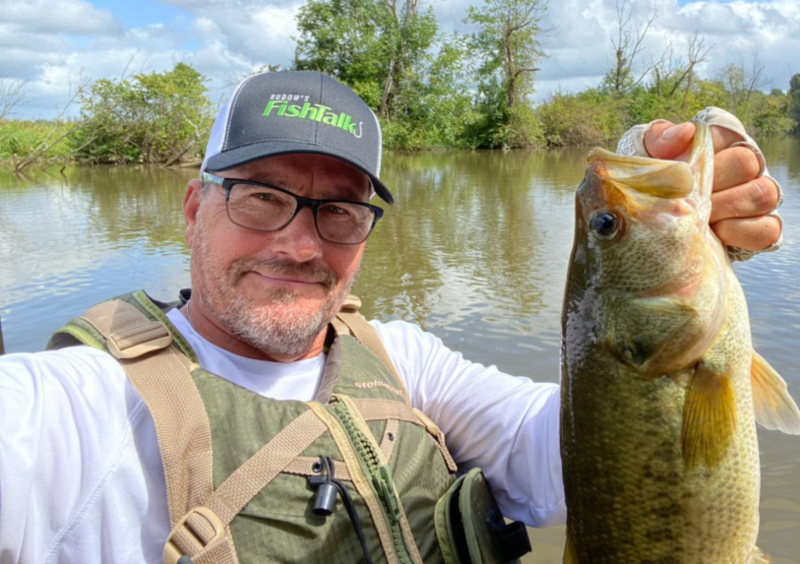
263 207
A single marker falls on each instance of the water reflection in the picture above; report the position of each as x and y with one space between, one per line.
71 239
475 249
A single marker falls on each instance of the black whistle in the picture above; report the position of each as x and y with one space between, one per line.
325 500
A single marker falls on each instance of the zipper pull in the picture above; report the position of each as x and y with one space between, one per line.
384 484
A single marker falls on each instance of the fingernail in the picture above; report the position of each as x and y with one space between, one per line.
671 132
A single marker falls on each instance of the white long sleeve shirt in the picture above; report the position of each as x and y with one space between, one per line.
81 478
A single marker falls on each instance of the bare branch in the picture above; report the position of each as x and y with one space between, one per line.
11 95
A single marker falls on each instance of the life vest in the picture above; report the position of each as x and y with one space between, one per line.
357 474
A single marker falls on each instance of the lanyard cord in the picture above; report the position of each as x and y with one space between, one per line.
327 464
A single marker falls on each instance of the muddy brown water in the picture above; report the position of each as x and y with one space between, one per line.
475 249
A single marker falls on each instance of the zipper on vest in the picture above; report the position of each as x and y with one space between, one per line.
379 475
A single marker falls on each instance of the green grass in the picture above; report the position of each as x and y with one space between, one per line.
20 139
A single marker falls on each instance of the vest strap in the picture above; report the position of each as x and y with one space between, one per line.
204 532
181 422
200 530
366 334
372 409
306 466
255 474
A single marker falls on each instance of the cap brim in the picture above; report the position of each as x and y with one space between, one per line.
243 155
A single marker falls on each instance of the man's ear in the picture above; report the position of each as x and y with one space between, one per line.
191 205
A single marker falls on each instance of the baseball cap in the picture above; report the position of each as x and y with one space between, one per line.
277 113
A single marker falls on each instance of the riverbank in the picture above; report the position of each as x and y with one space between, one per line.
587 119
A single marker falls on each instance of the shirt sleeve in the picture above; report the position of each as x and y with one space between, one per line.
508 426
64 431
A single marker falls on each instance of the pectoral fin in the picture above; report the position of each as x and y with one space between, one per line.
709 418
774 407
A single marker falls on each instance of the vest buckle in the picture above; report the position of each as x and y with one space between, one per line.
196 532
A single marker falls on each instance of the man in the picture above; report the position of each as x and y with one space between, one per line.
277 225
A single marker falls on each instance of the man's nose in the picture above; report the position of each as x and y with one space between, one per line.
299 240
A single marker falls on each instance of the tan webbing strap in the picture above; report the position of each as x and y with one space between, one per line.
304 466
255 474
340 327
438 436
128 332
204 532
376 409
367 336
164 381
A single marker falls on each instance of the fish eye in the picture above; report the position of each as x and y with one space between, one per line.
604 224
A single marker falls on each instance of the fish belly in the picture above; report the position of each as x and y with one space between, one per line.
631 497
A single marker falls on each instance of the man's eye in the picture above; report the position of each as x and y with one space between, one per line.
264 196
335 210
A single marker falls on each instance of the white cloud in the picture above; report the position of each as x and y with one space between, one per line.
264 36
580 49
69 16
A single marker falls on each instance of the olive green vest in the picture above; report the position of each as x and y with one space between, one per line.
390 457
356 474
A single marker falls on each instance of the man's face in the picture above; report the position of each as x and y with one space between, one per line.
272 292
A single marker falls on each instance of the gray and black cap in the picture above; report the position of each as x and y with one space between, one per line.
278 113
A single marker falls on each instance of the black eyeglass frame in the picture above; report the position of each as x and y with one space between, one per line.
227 185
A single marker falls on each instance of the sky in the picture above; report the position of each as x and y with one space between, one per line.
57 45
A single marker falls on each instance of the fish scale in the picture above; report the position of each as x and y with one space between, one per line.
658 424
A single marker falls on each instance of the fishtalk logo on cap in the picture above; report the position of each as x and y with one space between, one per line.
316 112
279 113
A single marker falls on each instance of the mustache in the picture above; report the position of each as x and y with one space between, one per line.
300 270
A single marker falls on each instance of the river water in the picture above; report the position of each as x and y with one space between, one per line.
475 249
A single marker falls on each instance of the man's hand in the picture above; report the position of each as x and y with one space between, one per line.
742 199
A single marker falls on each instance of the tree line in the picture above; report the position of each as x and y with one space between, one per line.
429 89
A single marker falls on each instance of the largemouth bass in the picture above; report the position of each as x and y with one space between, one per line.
661 388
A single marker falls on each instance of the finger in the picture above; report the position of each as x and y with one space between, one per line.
751 234
754 198
664 140
723 138
735 166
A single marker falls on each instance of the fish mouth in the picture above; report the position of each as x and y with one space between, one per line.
656 178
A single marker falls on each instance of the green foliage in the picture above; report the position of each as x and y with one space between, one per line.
377 47
588 118
156 117
770 116
384 52
20 139
506 46
346 39
436 106
794 101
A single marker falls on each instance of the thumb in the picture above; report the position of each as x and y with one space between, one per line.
663 140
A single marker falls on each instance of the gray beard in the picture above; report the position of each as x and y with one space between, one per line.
265 331
262 326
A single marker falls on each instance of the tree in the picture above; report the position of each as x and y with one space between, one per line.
156 117
741 81
506 44
507 40
374 46
794 101
436 101
628 46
